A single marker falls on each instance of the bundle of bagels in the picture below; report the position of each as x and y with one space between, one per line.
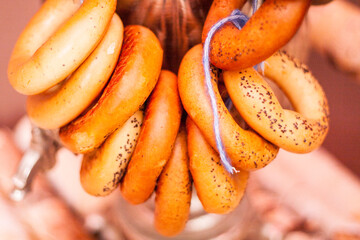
144 129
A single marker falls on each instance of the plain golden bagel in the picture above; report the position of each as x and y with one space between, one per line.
61 104
301 131
56 41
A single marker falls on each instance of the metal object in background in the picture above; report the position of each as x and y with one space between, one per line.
40 156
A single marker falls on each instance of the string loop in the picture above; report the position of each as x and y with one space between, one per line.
238 19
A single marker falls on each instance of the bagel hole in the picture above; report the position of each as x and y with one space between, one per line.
237 117
56 87
230 106
94 101
280 95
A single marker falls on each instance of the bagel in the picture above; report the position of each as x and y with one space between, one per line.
102 169
299 132
156 141
134 78
173 191
270 28
246 149
219 191
56 41
57 107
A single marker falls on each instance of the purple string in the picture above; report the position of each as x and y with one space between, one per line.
255 6
238 19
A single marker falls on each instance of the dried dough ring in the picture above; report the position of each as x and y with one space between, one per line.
102 169
270 28
246 149
301 131
173 191
134 78
156 141
60 105
56 41
219 191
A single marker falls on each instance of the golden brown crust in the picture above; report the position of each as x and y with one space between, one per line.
219 191
299 132
56 41
173 192
270 28
60 105
134 78
157 137
246 149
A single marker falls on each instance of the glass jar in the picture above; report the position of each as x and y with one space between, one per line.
178 25
137 222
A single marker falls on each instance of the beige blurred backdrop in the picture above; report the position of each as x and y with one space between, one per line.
342 91
14 15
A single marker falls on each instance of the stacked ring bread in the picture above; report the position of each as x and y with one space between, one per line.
102 86
233 52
